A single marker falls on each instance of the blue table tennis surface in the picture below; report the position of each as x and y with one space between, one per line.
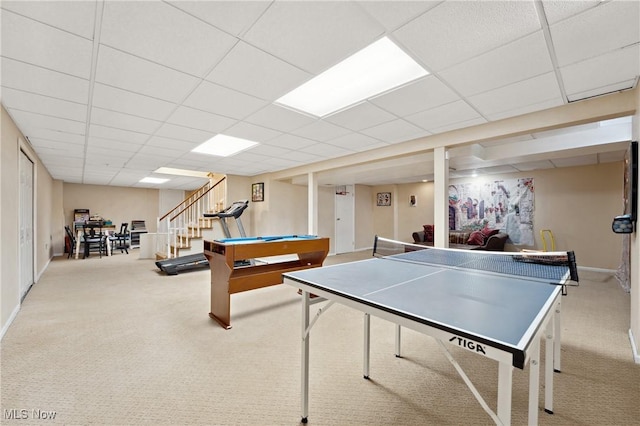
496 307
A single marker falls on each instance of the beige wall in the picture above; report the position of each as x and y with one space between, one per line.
9 183
634 329
118 204
47 196
364 217
576 203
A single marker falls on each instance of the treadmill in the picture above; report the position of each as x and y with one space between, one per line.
198 261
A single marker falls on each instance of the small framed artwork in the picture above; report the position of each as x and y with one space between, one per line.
257 192
412 201
384 199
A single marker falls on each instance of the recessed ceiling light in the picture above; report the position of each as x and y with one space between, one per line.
224 146
375 69
153 180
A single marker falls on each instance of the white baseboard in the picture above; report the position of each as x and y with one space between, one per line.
588 268
634 348
9 321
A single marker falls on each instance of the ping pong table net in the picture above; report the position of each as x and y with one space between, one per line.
550 267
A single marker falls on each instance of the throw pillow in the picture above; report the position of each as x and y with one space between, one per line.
487 232
476 238
428 233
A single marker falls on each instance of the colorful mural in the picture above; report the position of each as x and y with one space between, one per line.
506 204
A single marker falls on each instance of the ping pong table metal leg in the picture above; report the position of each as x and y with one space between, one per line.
305 333
534 381
505 381
367 345
556 335
552 342
398 337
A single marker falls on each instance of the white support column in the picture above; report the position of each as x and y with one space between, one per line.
441 196
312 192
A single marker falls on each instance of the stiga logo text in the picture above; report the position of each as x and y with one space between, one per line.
468 344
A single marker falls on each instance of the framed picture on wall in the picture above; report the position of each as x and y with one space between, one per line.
384 199
257 192
413 201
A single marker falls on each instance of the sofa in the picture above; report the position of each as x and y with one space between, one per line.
486 239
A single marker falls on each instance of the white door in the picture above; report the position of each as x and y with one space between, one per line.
345 220
26 224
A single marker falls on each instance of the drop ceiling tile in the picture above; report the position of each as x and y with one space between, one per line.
165 35
56 136
426 93
394 131
174 144
46 144
250 70
251 132
29 78
516 61
137 75
550 103
117 149
458 125
357 142
223 101
313 35
453 28
230 16
618 66
518 95
610 26
617 87
321 131
270 151
278 118
159 153
326 150
445 115
103 117
183 133
25 101
392 14
106 158
28 120
361 116
117 134
45 46
201 120
290 141
72 16
303 157
115 99
556 11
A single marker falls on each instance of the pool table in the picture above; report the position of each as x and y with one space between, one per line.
248 263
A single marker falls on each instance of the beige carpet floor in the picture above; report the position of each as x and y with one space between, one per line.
112 342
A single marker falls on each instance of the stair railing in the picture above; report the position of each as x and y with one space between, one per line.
185 221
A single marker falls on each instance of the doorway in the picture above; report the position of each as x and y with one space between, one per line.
345 220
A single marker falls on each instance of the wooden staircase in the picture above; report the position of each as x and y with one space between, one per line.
185 224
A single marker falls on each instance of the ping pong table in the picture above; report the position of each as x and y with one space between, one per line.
497 305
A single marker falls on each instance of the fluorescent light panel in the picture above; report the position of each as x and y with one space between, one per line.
224 146
181 172
375 69
153 180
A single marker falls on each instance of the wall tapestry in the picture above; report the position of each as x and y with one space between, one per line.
507 205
